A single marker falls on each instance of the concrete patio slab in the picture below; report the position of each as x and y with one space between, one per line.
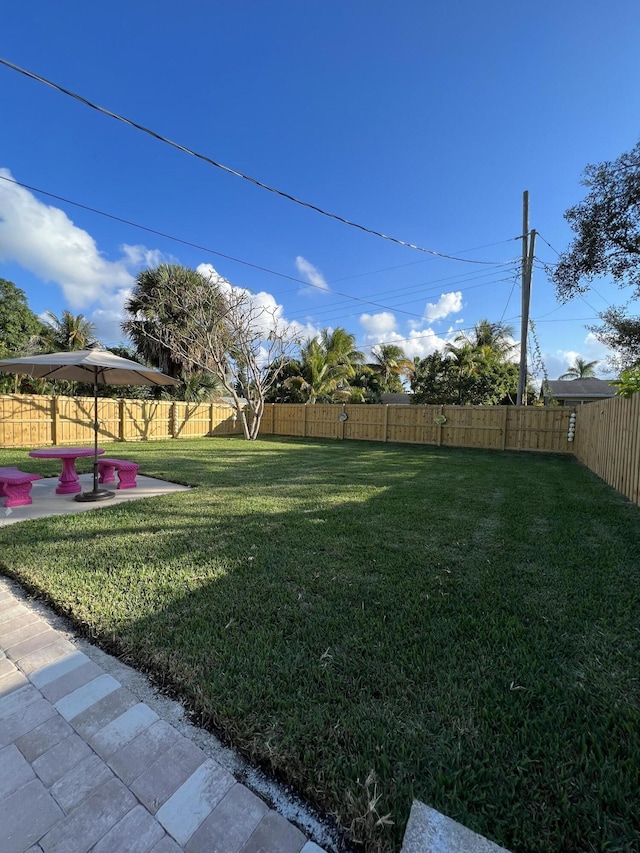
47 503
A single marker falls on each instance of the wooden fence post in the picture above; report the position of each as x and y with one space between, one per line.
386 422
505 411
121 416
54 420
304 421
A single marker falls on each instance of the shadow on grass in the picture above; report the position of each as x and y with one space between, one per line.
462 623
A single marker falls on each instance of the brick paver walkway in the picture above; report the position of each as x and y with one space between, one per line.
84 765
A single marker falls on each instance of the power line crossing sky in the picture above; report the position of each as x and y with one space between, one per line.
424 123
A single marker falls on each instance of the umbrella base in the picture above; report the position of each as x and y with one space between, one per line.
95 495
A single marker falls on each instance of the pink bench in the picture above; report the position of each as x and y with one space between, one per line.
127 472
15 486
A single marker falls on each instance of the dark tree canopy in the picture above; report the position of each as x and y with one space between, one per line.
607 243
464 376
19 326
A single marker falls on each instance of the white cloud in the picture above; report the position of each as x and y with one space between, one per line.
382 328
271 316
595 349
312 274
560 360
378 325
108 317
43 240
141 256
449 303
423 342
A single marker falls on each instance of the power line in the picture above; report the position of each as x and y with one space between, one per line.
153 231
508 299
548 244
432 289
414 263
229 170
392 308
94 210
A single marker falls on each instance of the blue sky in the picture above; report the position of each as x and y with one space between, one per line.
425 121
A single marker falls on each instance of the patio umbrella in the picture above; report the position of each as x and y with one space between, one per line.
99 367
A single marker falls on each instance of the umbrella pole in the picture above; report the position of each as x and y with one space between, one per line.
95 434
96 494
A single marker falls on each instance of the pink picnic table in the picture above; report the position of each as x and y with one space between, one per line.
68 483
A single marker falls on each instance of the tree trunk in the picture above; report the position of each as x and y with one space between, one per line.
245 425
256 411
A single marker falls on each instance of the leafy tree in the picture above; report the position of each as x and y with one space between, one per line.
580 369
607 242
281 389
621 333
473 370
19 326
629 382
185 322
434 380
20 332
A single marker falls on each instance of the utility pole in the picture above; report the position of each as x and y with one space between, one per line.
528 247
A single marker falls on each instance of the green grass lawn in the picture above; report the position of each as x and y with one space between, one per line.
462 623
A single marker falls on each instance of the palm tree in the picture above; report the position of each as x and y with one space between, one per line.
327 366
69 332
390 363
315 379
491 337
200 388
465 358
581 369
340 348
483 369
155 308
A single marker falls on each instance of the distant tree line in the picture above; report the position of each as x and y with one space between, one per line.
220 341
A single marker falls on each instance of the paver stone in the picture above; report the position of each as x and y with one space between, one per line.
275 833
194 800
230 824
26 815
138 824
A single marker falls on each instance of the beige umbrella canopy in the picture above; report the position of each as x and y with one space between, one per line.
98 367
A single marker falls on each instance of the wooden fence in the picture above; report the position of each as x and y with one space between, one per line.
494 427
607 438
31 421
608 442
36 421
